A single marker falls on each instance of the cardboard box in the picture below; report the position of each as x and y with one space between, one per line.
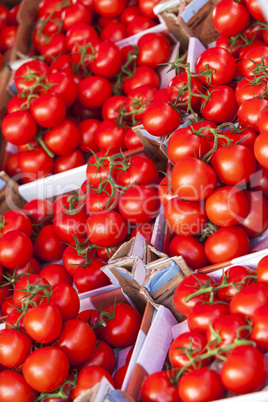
188 18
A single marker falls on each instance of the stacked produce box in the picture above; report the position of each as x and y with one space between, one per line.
133 201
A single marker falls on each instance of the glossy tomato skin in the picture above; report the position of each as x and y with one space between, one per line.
144 75
87 129
111 8
249 299
65 297
236 273
68 225
192 179
227 327
139 204
154 49
19 127
106 229
261 149
43 323
221 105
63 139
190 340
227 206
114 32
165 192
109 136
34 69
16 220
15 249
48 110
255 9
122 330
90 277
48 246
15 347
20 294
234 164
262 270
230 18
262 121
38 209
34 164
68 162
139 23
56 273
102 356
46 369
77 341
253 58
88 377
80 33
186 287
226 243
179 94
13 387
200 385
160 118
248 113
185 217
247 89
259 330
190 249
204 314
256 222
244 371
157 387
141 170
93 92
219 60
132 141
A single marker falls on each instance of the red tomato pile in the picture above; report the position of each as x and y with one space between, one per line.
8 29
85 93
224 347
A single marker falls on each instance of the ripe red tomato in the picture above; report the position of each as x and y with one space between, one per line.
107 59
48 246
139 204
39 209
131 139
234 274
261 149
77 340
88 377
139 170
191 340
56 273
147 7
68 162
249 299
244 371
46 369
160 118
248 112
203 315
110 8
219 60
43 323
226 243
248 89
122 330
178 91
15 347
26 77
202 384
79 34
114 32
186 287
234 164
227 327
21 294
103 356
13 387
94 91
65 297
106 229
19 127
190 249
165 192
186 218
230 18
253 59
262 121
90 277
144 75
64 86
255 10
62 139
262 270
139 23
15 220
75 13
227 206
154 50
221 105
15 249
192 179
109 136
256 222
259 330
157 386
48 110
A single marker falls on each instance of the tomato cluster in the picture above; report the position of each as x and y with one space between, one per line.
223 349
81 100
8 29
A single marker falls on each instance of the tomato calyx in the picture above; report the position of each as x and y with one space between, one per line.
83 52
104 316
209 229
11 278
60 393
83 250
